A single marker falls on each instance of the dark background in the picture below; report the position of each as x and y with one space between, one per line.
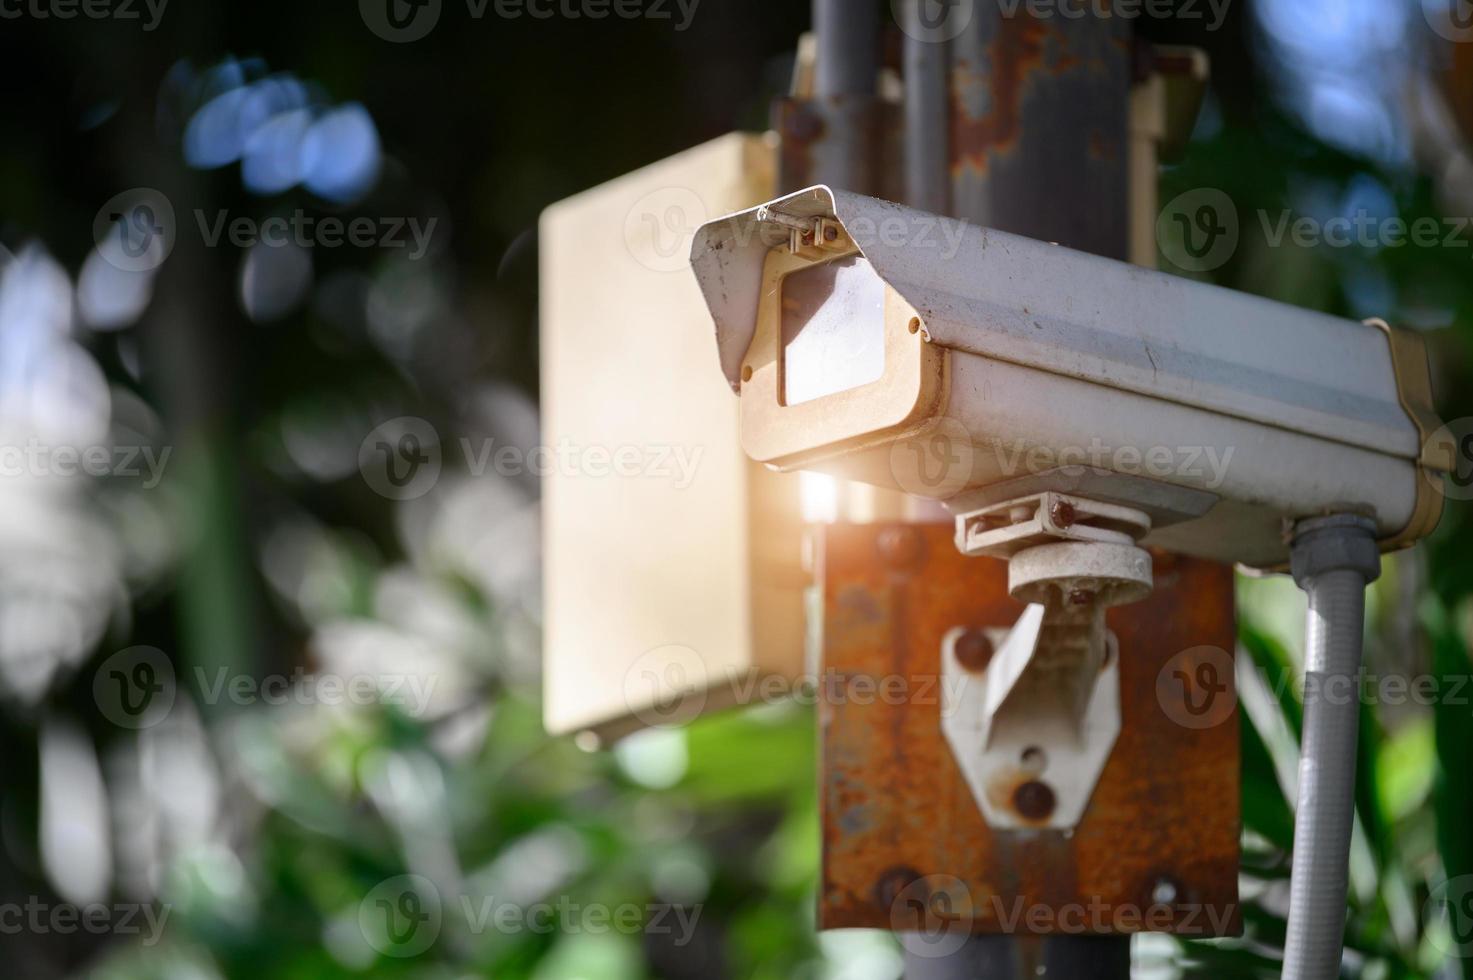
263 829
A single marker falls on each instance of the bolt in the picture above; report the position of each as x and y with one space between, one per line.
830 233
893 884
899 546
1164 892
1062 513
1081 597
1034 800
973 650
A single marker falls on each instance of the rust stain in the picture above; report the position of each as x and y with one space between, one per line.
1166 808
800 129
1015 54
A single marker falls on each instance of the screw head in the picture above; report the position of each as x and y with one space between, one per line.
894 882
973 650
1164 891
1034 800
1062 513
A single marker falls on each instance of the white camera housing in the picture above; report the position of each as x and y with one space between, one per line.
955 362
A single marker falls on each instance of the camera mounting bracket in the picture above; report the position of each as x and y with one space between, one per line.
1032 713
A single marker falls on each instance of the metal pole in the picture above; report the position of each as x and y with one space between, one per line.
848 50
927 143
1035 143
1333 560
1022 958
845 70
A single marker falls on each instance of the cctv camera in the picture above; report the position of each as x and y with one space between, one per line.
955 362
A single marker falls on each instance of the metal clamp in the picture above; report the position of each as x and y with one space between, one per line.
1033 723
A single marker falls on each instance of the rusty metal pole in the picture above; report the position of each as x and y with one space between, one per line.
1010 121
1037 144
846 68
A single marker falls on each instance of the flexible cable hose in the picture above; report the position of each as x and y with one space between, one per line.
1326 808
